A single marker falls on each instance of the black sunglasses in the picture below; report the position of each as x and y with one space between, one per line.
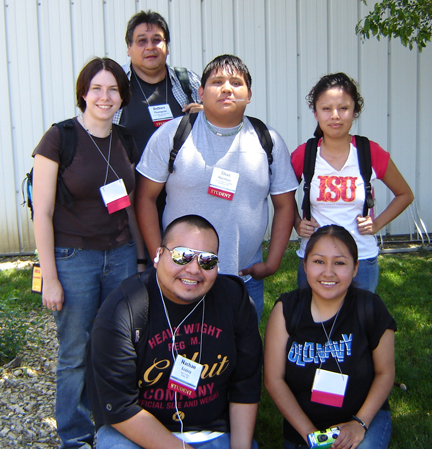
182 256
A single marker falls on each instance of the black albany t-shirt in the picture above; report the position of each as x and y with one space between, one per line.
307 351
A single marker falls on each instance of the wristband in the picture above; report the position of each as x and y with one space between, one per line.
361 422
142 261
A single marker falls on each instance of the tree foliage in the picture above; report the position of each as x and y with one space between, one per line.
410 20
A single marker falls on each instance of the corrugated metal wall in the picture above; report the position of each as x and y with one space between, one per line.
287 45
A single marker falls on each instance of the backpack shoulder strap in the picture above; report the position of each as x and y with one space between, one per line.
183 130
183 77
68 148
68 143
136 295
264 137
365 311
296 296
243 314
365 164
308 172
126 139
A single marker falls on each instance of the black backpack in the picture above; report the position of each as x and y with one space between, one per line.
183 77
185 127
365 165
136 295
67 151
135 292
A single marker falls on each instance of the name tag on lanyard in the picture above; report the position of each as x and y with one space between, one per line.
115 196
185 376
223 183
160 114
329 388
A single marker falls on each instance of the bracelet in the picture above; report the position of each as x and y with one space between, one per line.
142 261
361 422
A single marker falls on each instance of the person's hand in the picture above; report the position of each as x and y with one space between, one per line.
307 227
192 107
351 435
365 225
258 271
52 294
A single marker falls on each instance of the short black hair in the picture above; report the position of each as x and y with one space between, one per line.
228 63
151 17
192 220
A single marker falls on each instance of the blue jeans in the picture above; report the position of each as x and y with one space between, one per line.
256 292
110 438
377 436
87 277
366 278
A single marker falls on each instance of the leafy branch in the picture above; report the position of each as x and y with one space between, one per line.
410 20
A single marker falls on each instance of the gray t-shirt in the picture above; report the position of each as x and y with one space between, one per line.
240 223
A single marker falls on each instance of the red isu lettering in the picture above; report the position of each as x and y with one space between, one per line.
334 188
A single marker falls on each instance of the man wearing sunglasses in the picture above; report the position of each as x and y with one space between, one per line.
222 172
193 378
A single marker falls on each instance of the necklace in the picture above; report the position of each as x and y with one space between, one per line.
328 336
322 324
174 351
109 150
232 133
144 95
174 333
82 122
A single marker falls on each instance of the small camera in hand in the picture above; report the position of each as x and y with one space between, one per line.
323 439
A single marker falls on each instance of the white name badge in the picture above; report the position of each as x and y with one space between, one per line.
160 114
329 388
223 183
115 196
185 376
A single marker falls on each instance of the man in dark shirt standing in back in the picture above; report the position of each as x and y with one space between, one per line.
157 93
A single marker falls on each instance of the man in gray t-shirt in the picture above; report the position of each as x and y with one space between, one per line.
222 173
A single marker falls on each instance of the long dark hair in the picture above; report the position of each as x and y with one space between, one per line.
342 81
337 232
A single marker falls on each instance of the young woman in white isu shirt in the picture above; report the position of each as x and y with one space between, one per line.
337 192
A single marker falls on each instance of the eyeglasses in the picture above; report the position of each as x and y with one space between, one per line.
182 256
143 41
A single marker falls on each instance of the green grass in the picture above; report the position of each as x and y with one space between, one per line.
16 301
405 286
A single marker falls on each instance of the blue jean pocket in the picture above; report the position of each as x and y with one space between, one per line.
61 253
